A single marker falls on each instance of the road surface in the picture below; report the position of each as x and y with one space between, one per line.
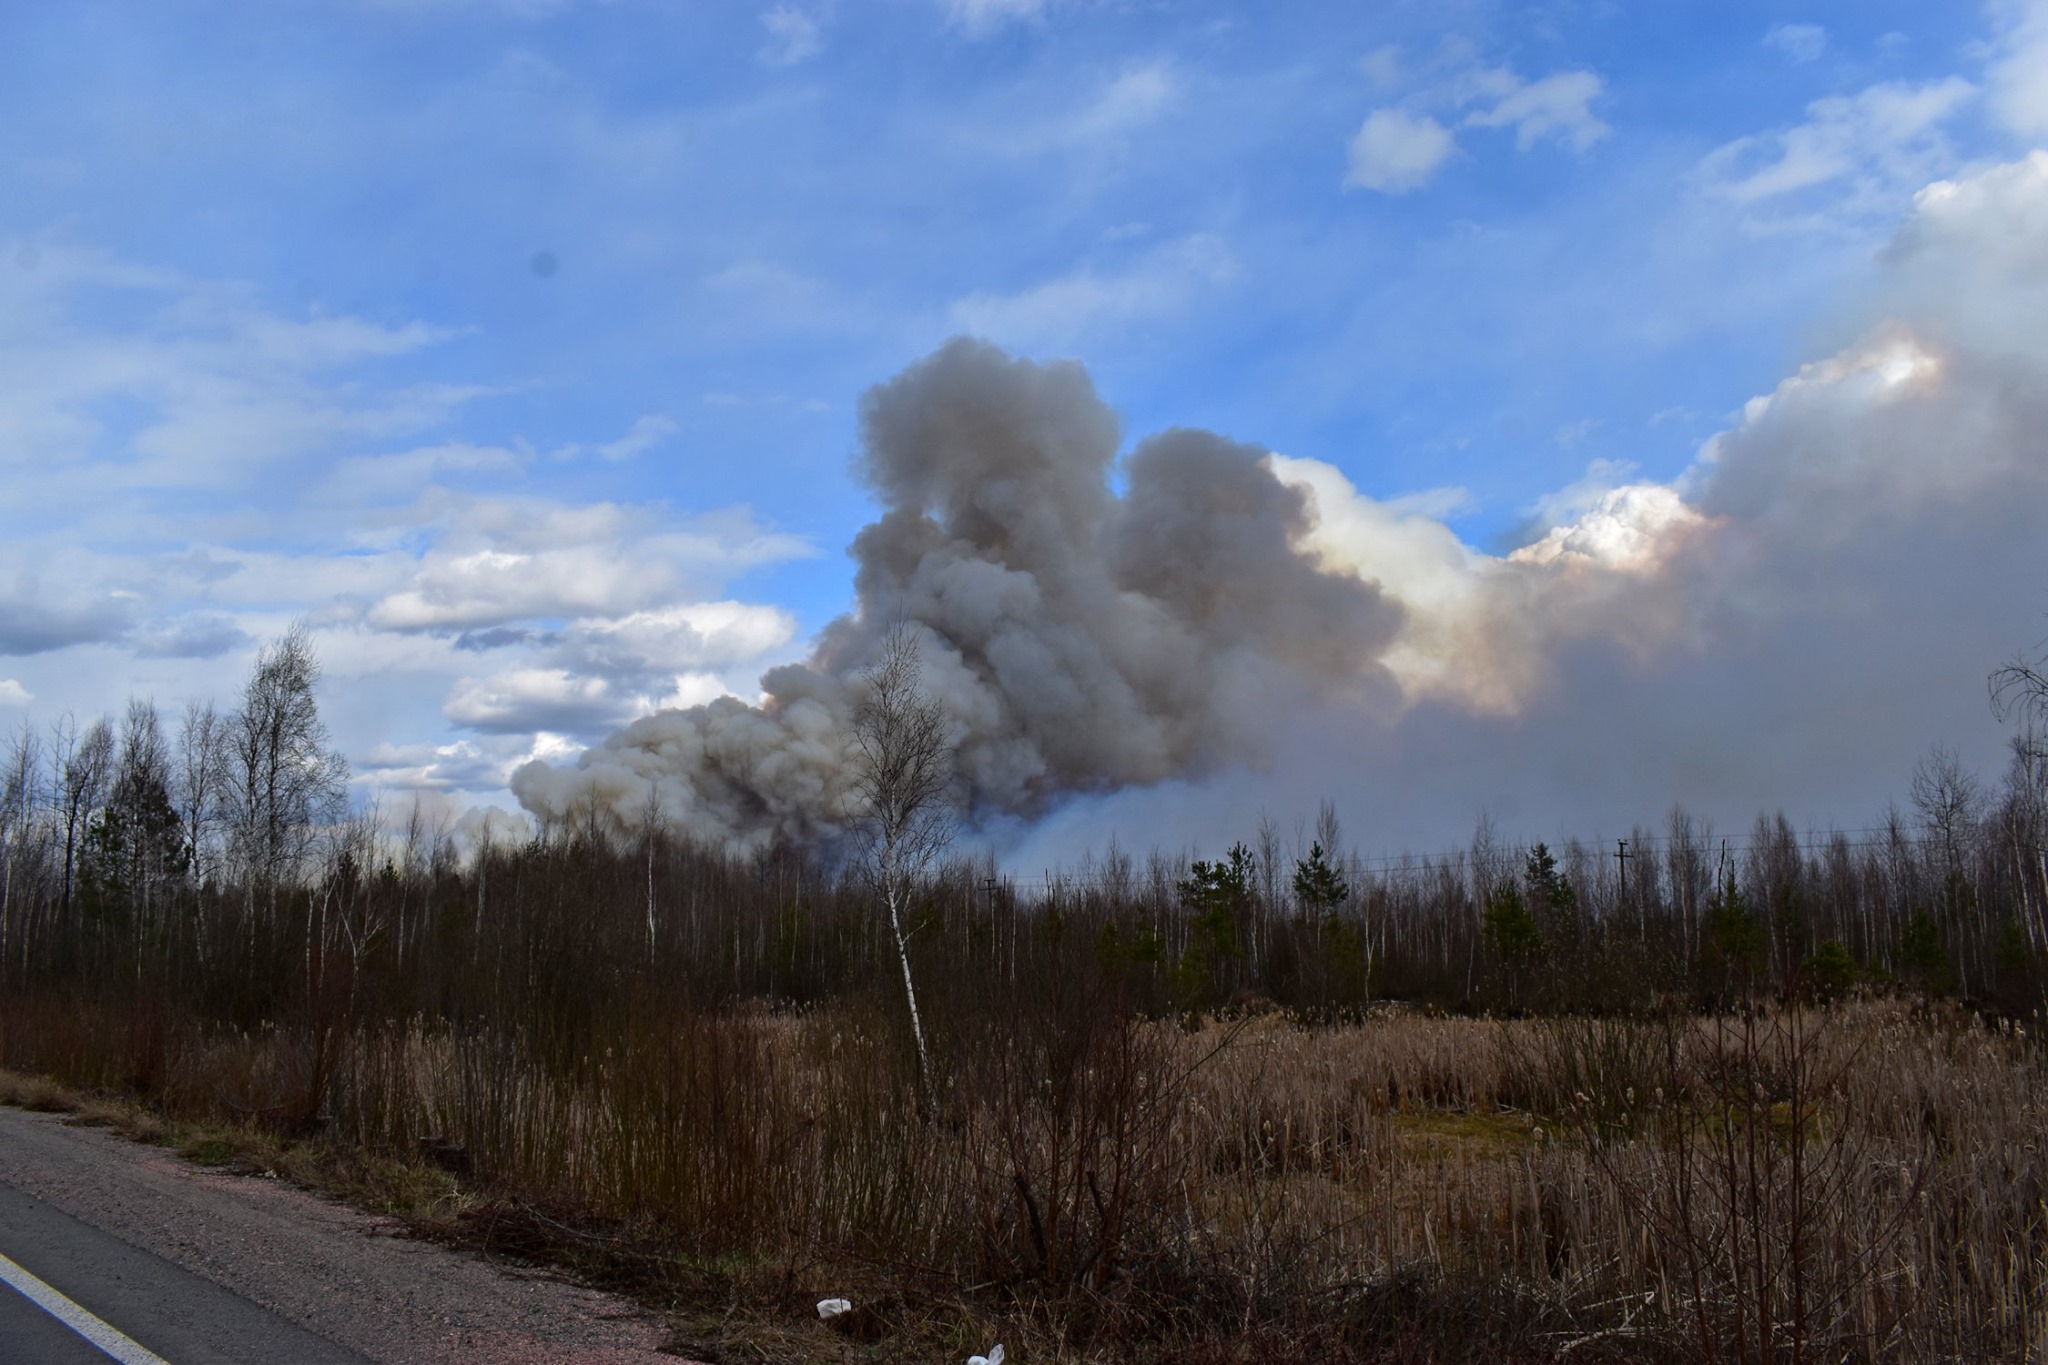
103 1239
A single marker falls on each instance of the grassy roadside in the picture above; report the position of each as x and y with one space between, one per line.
730 1311
1859 1182
720 1314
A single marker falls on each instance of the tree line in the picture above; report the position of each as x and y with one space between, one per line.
216 862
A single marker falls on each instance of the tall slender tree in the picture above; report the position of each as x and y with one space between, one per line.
902 773
84 762
286 782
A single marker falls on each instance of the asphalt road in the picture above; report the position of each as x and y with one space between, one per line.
192 1266
163 1309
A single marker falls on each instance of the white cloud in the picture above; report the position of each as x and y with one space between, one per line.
792 36
1881 493
1978 246
1400 148
1382 66
357 480
1161 283
680 638
1559 107
2018 75
1095 114
198 386
979 18
1135 97
1872 147
1403 546
1799 42
477 763
194 635
757 297
506 561
1626 528
599 672
431 604
1575 499
1395 152
523 700
647 433
1438 504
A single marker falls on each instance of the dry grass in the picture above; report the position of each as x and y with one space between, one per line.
1862 1183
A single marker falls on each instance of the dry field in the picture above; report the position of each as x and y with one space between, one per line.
1863 1182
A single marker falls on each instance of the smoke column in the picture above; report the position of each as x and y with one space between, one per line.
1789 621
1078 641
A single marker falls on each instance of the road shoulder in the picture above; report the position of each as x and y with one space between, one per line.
347 1277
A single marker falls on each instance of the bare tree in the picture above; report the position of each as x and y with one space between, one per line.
202 781
902 771
20 796
1951 805
1951 802
2019 691
286 781
651 825
84 763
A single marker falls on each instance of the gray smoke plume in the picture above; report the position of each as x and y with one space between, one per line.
1078 641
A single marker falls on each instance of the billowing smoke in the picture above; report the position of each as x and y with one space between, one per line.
1791 621
1078 640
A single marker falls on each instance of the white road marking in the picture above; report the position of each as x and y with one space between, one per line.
108 1338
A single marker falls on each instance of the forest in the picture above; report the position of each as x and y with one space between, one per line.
1761 1094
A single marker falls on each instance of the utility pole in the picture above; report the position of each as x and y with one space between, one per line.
1621 856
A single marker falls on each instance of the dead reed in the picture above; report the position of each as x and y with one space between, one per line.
1863 1182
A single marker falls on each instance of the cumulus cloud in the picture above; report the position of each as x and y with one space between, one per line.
1400 148
32 623
1395 152
478 763
597 673
506 561
197 635
506 613
523 700
1791 619
12 693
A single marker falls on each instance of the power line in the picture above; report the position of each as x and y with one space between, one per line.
1139 874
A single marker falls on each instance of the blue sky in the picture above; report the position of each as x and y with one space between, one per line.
480 333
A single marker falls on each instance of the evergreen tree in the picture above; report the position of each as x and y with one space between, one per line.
1218 898
1318 887
1512 934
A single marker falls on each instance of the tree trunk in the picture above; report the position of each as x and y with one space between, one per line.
894 892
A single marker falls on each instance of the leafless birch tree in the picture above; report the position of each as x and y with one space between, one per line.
286 781
902 771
